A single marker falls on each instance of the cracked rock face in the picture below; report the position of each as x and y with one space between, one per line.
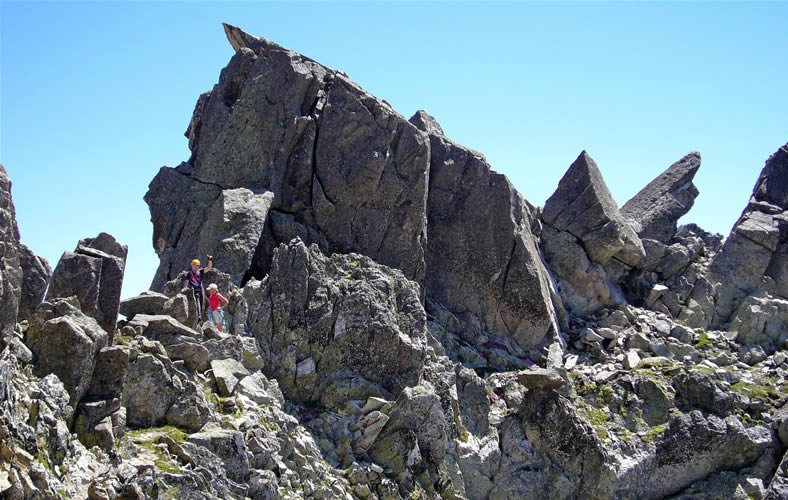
332 329
754 256
584 231
342 168
483 263
94 274
346 172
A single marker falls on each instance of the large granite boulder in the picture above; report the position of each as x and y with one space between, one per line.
94 274
338 328
583 206
157 393
483 263
584 233
66 342
656 208
331 163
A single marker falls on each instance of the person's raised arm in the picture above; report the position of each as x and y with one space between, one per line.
210 263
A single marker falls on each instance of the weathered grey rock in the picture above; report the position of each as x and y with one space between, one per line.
93 424
656 208
160 325
11 274
36 273
150 303
761 321
195 355
540 378
583 206
691 448
227 373
417 425
554 429
229 446
149 393
482 261
702 391
334 324
778 487
584 286
65 342
474 402
753 257
260 390
94 274
109 374
193 219
189 410
334 157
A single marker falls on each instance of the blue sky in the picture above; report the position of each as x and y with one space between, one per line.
96 96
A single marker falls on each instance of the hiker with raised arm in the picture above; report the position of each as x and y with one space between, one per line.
193 282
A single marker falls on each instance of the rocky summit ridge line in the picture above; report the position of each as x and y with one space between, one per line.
401 322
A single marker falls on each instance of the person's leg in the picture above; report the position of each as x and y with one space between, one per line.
219 319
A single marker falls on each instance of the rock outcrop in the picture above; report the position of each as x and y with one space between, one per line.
655 209
583 232
754 257
93 273
339 328
483 264
392 328
23 274
339 168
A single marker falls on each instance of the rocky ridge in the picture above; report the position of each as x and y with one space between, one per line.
401 322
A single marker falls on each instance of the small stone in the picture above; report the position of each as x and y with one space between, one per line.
540 378
571 361
591 336
604 376
779 359
753 487
631 360
373 403
607 333
662 327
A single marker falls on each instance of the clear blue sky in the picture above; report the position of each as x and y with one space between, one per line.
96 96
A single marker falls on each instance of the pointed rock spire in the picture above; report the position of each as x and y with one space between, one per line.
655 210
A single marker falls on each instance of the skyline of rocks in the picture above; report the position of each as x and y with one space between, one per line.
401 322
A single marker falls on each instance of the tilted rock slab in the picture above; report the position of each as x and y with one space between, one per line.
483 263
341 169
655 209
94 274
583 206
338 328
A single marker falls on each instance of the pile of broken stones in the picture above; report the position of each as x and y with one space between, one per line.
402 323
